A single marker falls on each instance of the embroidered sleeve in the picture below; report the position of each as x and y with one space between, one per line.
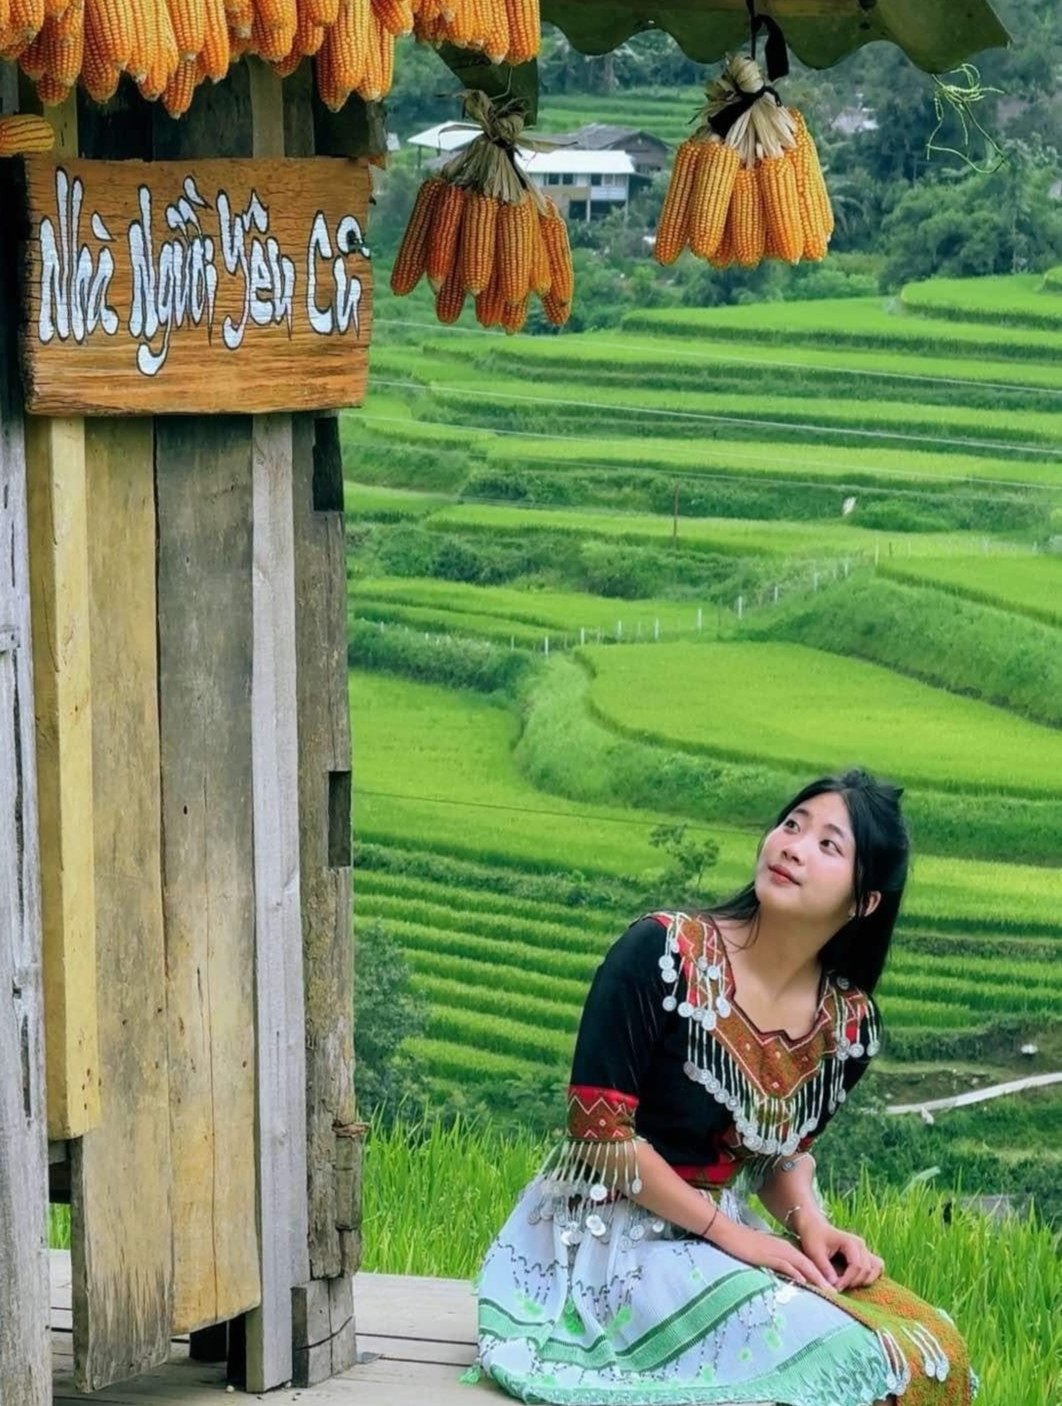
620 1026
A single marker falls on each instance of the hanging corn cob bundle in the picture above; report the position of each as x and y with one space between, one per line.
506 31
22 134
748 184
482 228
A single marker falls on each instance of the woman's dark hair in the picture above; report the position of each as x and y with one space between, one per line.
859 950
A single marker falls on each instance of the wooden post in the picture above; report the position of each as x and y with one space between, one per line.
25 1352
283 1230
121 1247
55 469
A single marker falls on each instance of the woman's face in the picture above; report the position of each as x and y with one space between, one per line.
815 847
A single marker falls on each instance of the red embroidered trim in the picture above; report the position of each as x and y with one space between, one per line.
600 1114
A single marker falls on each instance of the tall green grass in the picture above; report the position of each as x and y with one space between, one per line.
434 1197
1004 300
1031 585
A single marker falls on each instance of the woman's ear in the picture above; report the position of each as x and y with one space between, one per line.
870 902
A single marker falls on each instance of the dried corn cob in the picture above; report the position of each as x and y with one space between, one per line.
179 91
555 237
24 133
109 30
478 233
541 274
713 186
396 16
514 316
445 234
490 305
188 18
25 20
556 312
784 238
672 230
816 212
320 12
450 299
409 265
514 249
216 54
747 219
525 29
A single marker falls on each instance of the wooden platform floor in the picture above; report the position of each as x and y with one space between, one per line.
415 1337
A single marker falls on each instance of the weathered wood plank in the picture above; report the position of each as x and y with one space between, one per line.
281 1124
120 1183
279 997
324 826
55 462
24 1355
204 504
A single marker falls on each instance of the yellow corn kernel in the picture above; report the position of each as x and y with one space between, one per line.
514 315
409 265
817 212
240 17
25 133
478 232
141 16
490 304
673 227
25 20
396 16
188 18
525 30
216 54
748 223
441 254
513 250
713 184
556 312
450 299
555 237
179 91
322 12
497 40
784 234
541 275
109 28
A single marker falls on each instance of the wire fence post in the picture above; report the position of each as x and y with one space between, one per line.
656 629
545 648
700 619
741 607
582 634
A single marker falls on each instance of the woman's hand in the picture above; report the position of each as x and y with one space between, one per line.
821 1242
772 1252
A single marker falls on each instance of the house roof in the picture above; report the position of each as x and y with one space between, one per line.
597 136
935 34
444 136
577 163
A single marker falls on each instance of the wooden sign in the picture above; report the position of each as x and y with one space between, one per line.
195 287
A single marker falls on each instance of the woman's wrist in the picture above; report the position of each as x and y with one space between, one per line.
798 1220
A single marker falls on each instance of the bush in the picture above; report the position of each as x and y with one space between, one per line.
385 1015
454 660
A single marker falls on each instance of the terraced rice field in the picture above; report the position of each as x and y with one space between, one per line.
939 418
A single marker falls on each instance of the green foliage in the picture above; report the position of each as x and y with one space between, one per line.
983 651
689 859
453 660
385 1017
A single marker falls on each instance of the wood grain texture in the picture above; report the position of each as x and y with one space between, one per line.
324 753
260 298
55 466
204 505
281 1123
25 1373
121 1183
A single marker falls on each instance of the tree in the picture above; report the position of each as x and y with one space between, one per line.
385 1015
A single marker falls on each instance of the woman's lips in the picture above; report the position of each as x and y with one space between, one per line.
780 876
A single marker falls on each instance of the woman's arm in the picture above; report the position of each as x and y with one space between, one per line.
790 1196
665 1193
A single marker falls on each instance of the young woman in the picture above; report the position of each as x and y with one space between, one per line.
713 1050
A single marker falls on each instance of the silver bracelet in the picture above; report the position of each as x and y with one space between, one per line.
791 1212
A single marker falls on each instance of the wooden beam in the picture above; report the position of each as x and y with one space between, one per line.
205 629
279 994
281 1122
55 466
121 1180
25 1358
204 623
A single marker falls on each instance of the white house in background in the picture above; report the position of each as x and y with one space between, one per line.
583 183
444 137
